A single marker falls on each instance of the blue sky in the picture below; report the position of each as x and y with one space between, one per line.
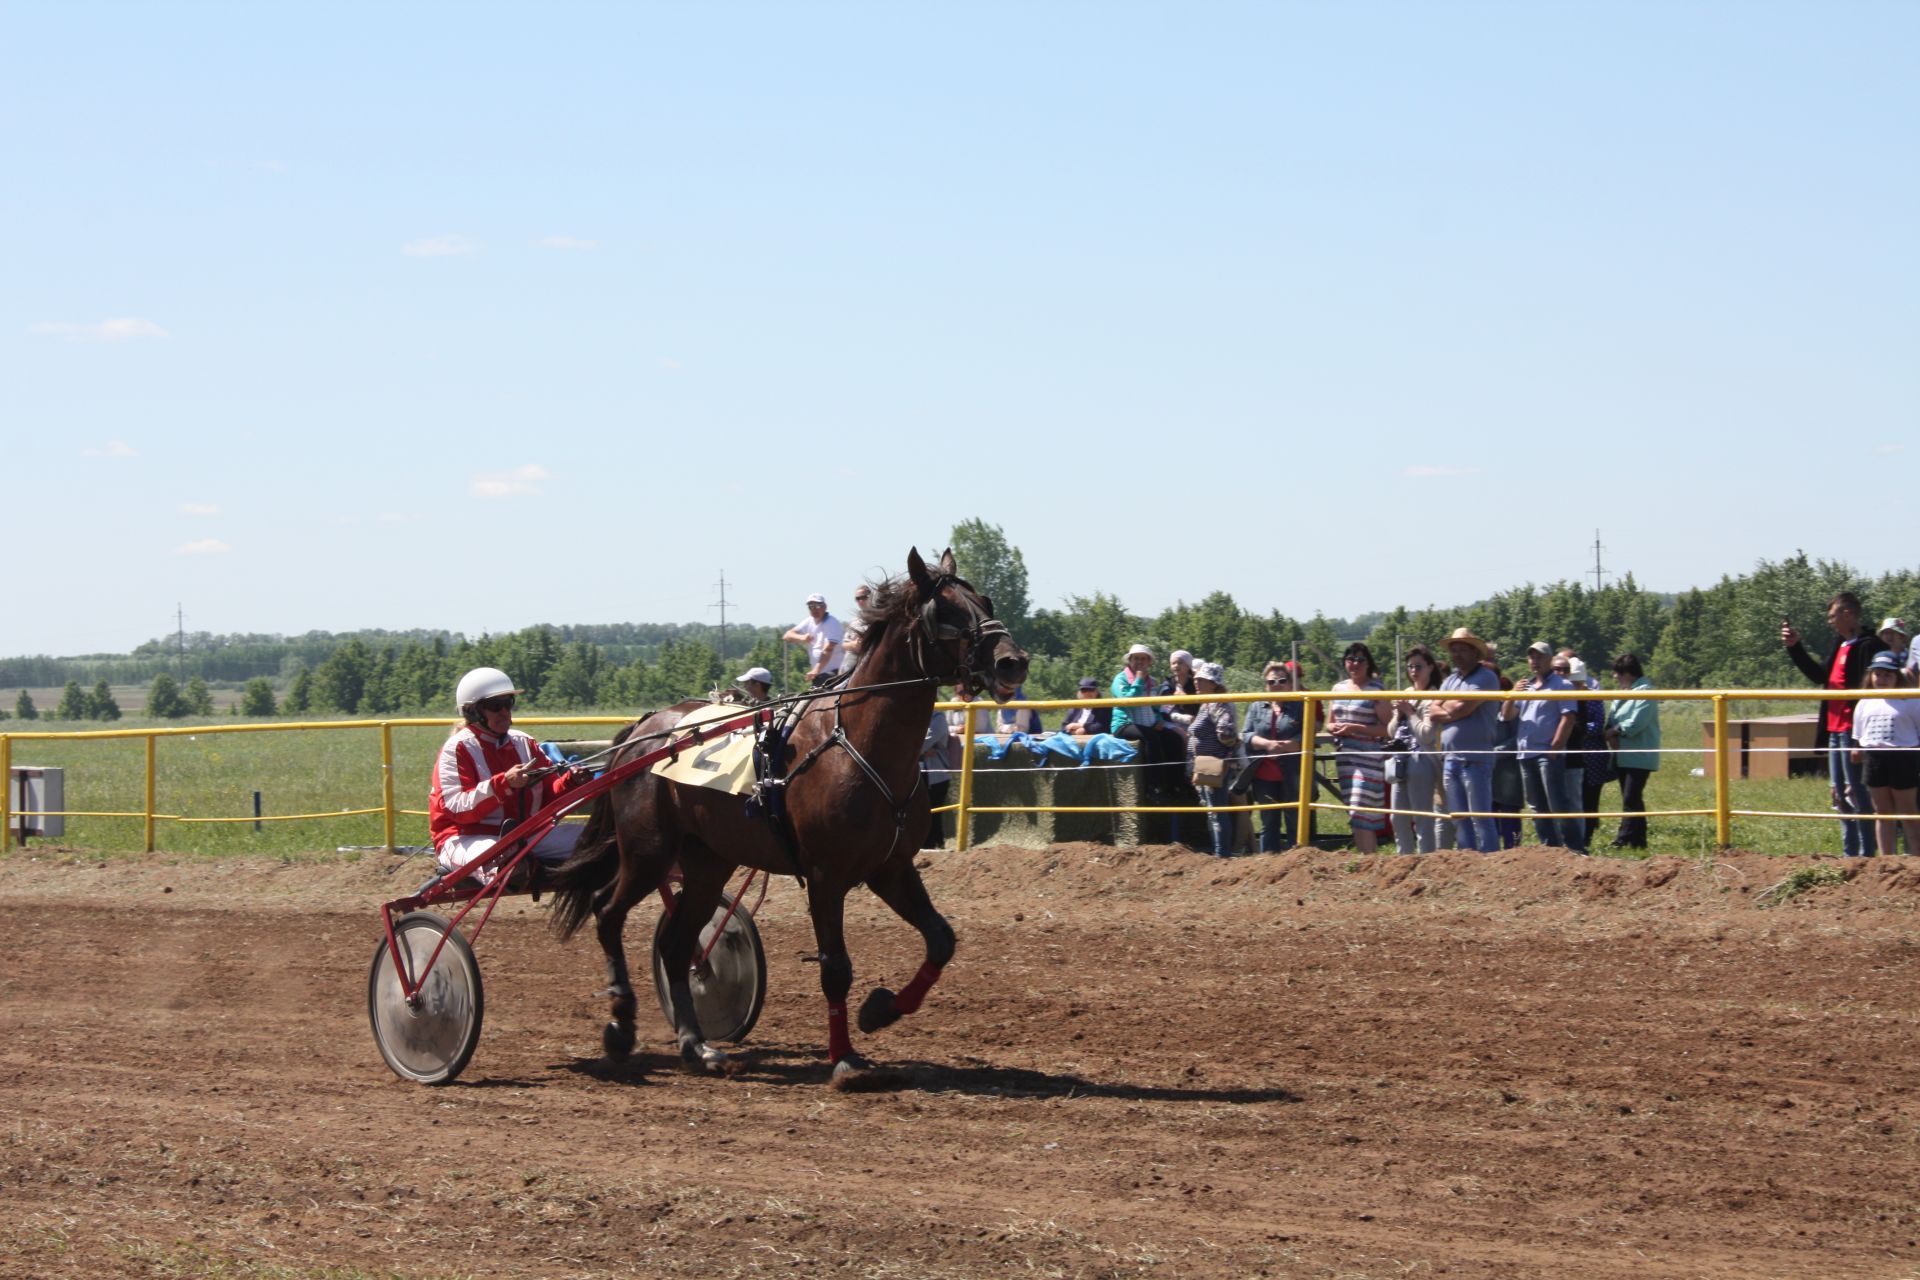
475 317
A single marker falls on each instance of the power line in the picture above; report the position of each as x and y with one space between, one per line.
1599 571
722 606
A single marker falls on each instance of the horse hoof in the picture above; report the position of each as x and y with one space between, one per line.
617 1039
703 1059
878 1010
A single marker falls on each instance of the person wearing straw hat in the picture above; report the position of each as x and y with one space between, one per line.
1466 739
1898 637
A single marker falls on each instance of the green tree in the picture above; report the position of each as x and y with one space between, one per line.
23 707
1683 653
73 703
198 697
340 682
994 566
101 704
573 683
163 698
299 699
257 699
1320 650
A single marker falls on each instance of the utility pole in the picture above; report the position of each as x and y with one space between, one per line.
723 614
1599 572
180 639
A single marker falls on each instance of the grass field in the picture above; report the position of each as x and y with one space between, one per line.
208 775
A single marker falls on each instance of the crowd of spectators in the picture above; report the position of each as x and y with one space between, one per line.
1425 770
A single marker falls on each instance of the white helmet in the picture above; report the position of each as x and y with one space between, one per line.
482 683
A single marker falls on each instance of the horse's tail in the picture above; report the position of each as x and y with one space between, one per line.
595 861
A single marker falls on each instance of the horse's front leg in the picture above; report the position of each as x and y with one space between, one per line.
827 904
898 884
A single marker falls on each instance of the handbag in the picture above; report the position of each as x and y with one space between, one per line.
1209 771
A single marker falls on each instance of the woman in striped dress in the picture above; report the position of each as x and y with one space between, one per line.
1358 727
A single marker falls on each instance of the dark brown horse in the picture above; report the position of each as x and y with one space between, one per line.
856 809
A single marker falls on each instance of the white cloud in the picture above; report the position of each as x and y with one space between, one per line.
669 364
1438 473
117 329
204 547
198 509
522 480
566 242
440 246
397 517
112 449
1888 449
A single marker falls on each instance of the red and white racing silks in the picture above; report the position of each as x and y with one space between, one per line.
470 796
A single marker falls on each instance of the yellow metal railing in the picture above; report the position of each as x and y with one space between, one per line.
1723 811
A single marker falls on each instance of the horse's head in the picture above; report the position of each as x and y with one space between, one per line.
957 622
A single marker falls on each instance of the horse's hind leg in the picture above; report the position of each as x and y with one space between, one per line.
610 907
700 887
898 884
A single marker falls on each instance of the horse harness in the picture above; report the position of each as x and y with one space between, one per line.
982 633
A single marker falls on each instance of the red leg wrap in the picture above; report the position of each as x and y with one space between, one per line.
839 1043
908 1001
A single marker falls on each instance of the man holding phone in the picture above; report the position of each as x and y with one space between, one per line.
1844 668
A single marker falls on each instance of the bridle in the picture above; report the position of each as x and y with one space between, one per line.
979 638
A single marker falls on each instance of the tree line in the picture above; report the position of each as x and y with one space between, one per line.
1723 636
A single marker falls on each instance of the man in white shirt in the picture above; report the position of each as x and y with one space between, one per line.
824 637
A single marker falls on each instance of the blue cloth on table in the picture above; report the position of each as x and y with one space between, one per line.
1085 750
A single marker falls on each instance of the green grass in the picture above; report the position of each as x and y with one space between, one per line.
214 775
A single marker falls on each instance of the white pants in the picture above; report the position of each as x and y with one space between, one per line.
458 851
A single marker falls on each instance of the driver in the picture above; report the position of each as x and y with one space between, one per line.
486 779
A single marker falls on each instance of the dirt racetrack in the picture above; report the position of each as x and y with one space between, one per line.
1143 1063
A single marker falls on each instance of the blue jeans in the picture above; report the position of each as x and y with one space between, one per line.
1275 822
1469 785
1543 779
1850 796
1573 799
1222 823
1418 834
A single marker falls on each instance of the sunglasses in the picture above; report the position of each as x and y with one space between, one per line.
1279 679
503 702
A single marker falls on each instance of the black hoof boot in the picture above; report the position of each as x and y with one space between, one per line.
617 1039
878 1010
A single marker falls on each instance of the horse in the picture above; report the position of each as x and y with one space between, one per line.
856 807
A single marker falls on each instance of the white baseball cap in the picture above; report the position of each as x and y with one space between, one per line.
1139 650
816 598
761 674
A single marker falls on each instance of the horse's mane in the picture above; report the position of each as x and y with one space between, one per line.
891 601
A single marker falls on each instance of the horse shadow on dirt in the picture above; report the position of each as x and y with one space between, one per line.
803 1068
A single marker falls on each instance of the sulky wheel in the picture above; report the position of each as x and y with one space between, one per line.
432 1037
730 986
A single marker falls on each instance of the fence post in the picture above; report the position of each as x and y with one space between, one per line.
151 742
386 777
6 792
1722 799
960 823
1303 828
